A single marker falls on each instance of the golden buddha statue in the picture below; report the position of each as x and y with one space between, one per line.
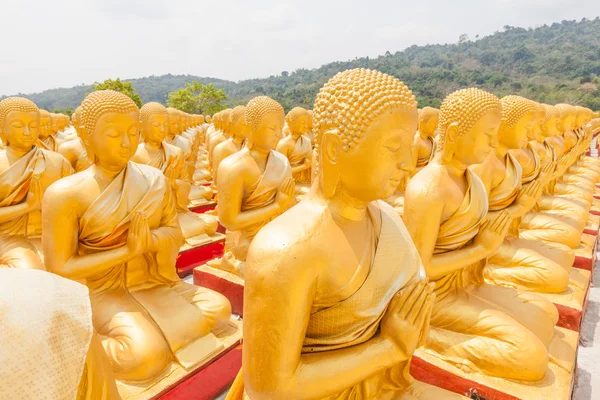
309 127
197 193
155 152
115 226
74 150
46 140
337 278
581 167
475 326
298 149
424 142
255 183
219 136
26 170
239 133
519 263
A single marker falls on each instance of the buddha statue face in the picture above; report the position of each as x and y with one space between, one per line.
55 123
366 159
76 120
110 124
297 120
45 124
567 117
580 119
19 123
208 119
551 122
469 120
174 122
154 119
226 122
265 118
536 132
428 121
518 118
239 128
309 122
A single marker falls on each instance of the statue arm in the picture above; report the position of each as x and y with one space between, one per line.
422 215
11 212
231 192
60 226
282 284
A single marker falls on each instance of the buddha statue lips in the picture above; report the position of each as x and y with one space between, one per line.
324 274
475 326
115 226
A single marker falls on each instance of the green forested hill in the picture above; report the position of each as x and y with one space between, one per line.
556 63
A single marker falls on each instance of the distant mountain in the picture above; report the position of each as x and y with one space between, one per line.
551 64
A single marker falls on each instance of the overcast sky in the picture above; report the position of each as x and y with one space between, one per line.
63 43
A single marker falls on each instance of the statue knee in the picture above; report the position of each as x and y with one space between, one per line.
139 357
222 311
531 359
557 279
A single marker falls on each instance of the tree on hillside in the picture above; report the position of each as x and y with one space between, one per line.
66 111
119 86
196 98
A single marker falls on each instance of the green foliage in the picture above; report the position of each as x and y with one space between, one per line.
66 111
197 98
119 86
552 64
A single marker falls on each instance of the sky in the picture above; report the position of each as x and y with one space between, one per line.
63 43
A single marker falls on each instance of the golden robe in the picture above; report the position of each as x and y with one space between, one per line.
50 143
133 303
524 264
423 161
393 261
302 151
482 328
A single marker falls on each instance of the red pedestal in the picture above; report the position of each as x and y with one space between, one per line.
211 381
201 209
232 290
190 259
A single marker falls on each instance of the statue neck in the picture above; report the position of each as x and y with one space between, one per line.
501 151
152 144
16 153
345 206
106 173
455 168
238 139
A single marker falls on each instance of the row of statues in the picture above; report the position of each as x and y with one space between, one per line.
363 229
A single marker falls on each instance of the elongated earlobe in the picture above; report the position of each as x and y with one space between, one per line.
328 158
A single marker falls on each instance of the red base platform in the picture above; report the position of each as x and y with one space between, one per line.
227 284
201 209
190 259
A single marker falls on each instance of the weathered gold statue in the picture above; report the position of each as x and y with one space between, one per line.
115 226
298 149
424 143
46 140
26 171
155 152
337 279
74 150
476 326
239 133
255 184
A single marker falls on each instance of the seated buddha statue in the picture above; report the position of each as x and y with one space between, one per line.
46 140
540 157
334 274
74 150
114 225
531 265
255 183
219 136
26 171
581 166
309 127
174 138
424 142
239 133
155 152
475 326
62 133
298 149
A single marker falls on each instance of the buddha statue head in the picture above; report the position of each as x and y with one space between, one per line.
154 120
174 121
550 123
536 132
208 119
19 123
365 122
567 117
239 128
518 118
216 122
469 120
45 124
76 120
309 123
428 121
297 121
110 128
580 118
55 123
201 119
264 118
226 122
